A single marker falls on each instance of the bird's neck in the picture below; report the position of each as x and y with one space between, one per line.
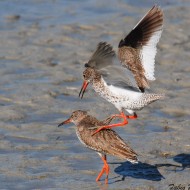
100 86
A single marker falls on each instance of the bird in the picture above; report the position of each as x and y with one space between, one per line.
106 142
136 54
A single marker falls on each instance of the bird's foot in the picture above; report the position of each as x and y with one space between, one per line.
113 125
105 169
132 116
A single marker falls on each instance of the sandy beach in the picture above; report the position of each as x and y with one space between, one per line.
43 48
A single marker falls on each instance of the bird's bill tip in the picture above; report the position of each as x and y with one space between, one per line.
65 122
83 88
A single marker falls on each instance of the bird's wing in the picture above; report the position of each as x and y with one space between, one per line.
104 60
106 141
111 143
102 57
138 49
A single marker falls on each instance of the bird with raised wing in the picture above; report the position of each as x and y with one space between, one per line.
106 142
137 53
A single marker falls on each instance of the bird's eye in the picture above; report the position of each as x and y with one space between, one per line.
84 75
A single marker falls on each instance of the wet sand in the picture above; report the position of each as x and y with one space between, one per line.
43 46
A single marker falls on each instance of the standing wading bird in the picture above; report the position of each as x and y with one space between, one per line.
137 53
105 142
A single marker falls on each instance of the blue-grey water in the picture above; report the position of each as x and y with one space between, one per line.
43 46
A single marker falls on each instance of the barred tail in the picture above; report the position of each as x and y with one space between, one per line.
149 98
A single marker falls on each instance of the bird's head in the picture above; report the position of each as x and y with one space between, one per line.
75 117
89 75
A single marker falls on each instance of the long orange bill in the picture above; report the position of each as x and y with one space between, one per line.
65 122
82 91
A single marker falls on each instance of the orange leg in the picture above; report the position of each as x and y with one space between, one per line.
122 115
132 116
127 116
105 169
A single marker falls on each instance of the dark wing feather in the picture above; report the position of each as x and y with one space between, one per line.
102 57
143 31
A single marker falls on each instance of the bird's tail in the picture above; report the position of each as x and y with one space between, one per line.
149 98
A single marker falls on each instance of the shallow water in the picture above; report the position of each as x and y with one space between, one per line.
43 46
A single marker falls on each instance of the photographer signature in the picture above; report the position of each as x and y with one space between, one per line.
179 187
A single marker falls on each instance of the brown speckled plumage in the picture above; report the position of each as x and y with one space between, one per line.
105 142
130 58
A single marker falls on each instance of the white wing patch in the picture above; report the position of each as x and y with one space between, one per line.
126 94
148 53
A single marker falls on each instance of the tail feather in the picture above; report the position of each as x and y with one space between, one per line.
149 98
125 152
146 99
117 146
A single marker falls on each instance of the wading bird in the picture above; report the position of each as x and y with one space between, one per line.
136 52
105 142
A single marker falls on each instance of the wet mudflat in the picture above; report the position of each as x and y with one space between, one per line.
43 46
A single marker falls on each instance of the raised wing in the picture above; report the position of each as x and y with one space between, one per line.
137 51
106 62
102 57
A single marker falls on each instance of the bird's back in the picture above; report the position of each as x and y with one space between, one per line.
106 141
